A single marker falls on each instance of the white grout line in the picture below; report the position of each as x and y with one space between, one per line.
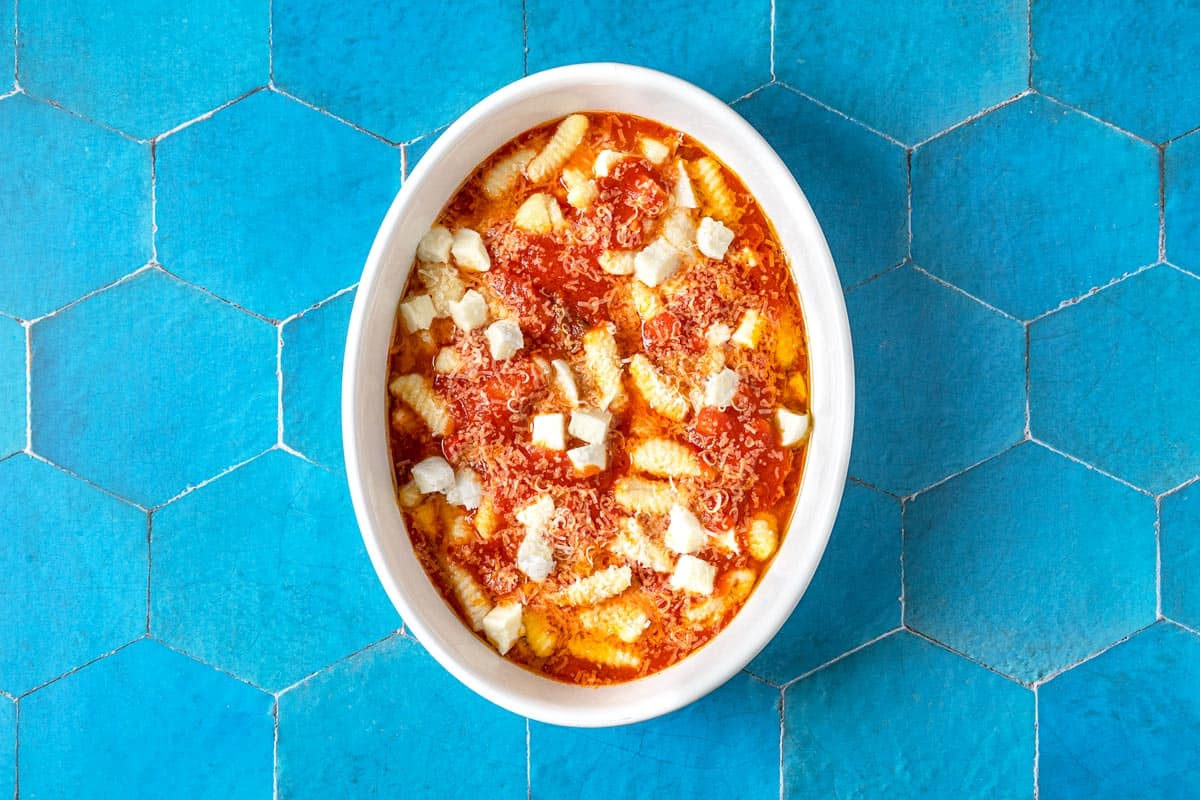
1095 290
1090 656
842 114
874 488
917 494
149 564
1101 120
1162 203
16 39
782 733
788 684
965 293
977 662
1092 467
17 705
908 191
275 749
1037 741
28 386
1179 136
291 451
270 44
903 548
331 115
180 651
215 296
751 93
1181 270
978 114
147 267
1028 381
84 665
279 384
524 37
55 104
876 276
395 634
771 39
1180 487
1158 612
209 480
1181 626
326 301
1029 38
39 457
208 114
154 202
528 762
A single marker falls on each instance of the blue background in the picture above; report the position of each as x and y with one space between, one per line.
1009 603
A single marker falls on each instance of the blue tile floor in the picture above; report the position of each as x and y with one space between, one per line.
1010 603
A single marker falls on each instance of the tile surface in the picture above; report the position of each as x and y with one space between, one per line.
1180 539
1055 203
721 47
152 387
725 745
263 574
187 194
141 724
75 561
1082 399
312 381
270 204
855 595
1101 737
904 718
909 71
1119 60
56 242
1029 562
940 381
142 67
379 725
1182 222
854 179
360 61
12 386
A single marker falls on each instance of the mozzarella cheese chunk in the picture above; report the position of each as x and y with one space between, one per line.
590 424
504 339
565 379
549 431
581 190
693 575
718 334
446 361
589 458
605 161
434 246
467 490
502 626
417 313
749 331
434 474
679 230
713 238
685 196
655 151
617 262
469 252
793 427
656 263
719 389
534 556
685 534
536 515
470 312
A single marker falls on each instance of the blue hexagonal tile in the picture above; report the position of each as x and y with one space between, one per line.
1029 562
857 182
143 67
12 386
313 346
940 381
151 387
735 56
1034 204
144 723
855 595
1124 724
56 241
8 746
395 712
1183 202
263 573
270 204
1131 62
1113 381
74 562
345 59
909 70
1180 541
904 719
724 745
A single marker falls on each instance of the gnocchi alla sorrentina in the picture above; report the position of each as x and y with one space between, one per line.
598 391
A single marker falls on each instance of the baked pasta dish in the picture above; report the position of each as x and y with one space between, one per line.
598 392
